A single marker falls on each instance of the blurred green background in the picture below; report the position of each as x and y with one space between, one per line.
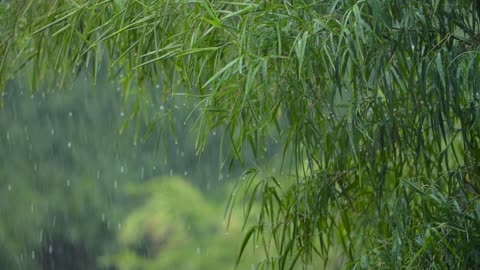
76 193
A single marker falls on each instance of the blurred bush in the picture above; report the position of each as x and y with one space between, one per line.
177 228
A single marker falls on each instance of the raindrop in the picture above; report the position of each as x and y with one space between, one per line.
52 131
119 226
70 114
35 167
122 169
98 174
171 172
185 173
122 114
198 251
162 108
50 249
143 173
103 217
115 184
157 86
118 89
176 142
33 255
8 136
9 187
154 168
32 96
68 182
69 145
181 154
214 133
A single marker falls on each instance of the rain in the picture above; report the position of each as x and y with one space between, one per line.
78 194
269 135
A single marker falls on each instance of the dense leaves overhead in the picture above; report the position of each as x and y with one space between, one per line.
363 96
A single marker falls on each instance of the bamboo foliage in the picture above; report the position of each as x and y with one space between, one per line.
376 105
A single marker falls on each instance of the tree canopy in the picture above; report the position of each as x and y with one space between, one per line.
375 105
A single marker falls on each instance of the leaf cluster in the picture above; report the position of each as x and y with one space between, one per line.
360 95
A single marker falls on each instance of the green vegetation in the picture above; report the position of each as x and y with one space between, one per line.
59 169
66 172
374 105
195 235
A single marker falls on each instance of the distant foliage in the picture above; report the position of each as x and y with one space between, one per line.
176 228
64 168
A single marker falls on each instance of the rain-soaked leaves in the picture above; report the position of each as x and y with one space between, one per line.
374 105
